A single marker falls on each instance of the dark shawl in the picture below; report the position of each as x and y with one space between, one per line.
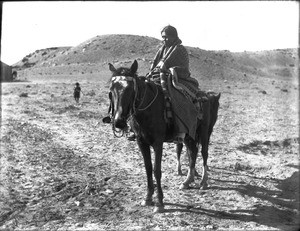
184 110
177 56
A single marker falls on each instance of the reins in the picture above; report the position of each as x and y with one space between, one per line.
142 101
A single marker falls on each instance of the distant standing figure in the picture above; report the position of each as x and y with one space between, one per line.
77 91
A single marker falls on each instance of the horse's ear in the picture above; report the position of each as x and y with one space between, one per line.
112 68
134 67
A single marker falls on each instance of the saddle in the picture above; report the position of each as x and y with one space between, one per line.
167 79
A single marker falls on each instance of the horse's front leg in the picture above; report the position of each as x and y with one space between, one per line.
145 149
159 207
178 152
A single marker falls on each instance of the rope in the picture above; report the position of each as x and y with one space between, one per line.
145 108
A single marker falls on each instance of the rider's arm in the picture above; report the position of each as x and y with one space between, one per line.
178 57
156 58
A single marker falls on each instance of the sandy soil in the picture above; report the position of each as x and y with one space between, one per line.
62 168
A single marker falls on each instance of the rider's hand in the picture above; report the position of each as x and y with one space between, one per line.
162 66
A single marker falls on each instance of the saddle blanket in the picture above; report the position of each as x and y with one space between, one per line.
184 111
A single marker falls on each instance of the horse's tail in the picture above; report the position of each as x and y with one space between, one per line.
214 108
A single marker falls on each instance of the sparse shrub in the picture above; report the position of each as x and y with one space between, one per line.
286 142
241 166
24 60
29 64
91 93
23 94
262 91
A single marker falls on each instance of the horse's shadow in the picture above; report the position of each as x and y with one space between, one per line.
258 147
279 208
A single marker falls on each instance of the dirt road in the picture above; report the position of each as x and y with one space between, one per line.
62 168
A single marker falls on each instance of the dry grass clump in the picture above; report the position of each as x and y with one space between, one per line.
23 94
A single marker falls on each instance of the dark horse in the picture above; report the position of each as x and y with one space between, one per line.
142 104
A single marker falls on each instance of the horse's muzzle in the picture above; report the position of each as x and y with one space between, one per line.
121 124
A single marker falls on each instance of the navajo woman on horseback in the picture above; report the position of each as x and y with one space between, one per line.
171 66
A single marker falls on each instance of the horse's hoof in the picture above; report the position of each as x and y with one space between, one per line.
183 186
147 203
158 209
179 173
203 186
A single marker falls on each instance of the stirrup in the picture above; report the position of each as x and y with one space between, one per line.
178 140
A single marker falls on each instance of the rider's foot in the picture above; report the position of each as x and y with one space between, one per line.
179 138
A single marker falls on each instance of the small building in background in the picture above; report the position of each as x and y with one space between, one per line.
6 73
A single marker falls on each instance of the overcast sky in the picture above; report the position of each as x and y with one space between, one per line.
212 25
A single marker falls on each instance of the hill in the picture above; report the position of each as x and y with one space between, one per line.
92 56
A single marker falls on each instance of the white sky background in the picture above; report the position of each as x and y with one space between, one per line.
229 25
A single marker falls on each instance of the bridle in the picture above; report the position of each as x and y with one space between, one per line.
135 109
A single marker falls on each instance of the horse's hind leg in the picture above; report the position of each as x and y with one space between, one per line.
192 150
204 152
178 152
145 149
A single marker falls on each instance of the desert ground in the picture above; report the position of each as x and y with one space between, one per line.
62 168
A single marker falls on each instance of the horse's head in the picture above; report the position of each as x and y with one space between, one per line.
122 93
